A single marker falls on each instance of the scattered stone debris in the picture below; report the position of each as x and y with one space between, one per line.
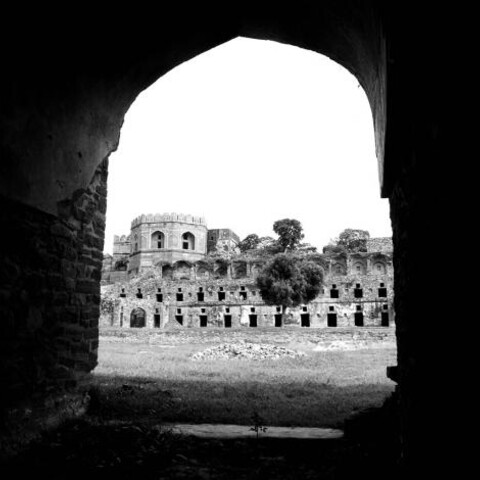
354 344
251 351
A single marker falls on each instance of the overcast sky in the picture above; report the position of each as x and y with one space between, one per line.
249 133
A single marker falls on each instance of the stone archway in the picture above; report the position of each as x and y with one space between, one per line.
58 131
138 318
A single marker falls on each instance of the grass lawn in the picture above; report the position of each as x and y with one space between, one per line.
145 379
141 375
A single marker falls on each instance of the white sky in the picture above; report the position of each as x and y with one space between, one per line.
245 134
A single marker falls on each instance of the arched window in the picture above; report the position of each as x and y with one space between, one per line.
158 240
188 241
358 268
379 268
338 269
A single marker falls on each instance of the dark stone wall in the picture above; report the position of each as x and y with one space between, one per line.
67 81
424 198
50 295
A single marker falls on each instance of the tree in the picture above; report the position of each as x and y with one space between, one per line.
289 281
353 240
269 246
263 246
290 233
250 242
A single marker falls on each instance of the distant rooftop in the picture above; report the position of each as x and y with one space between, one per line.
168 217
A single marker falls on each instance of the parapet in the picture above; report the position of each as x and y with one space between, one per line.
168 217
121 238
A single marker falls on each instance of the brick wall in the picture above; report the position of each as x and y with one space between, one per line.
50 296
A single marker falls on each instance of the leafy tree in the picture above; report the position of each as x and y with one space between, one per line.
266 242
353 240
290 233
289 281
262 246
250 242
269 246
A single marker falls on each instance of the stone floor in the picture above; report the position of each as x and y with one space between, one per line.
207 430
86 449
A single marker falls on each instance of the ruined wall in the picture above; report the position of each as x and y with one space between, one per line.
222 240
121 245
379 244
50 296
368 293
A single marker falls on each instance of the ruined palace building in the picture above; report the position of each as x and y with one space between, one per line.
173 271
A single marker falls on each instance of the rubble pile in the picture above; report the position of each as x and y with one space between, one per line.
250 351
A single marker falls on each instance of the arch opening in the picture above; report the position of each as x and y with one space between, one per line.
232 170
72 145
158 240
188 241
138 318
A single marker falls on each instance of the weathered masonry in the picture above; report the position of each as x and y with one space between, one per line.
162 240
67 82
358 291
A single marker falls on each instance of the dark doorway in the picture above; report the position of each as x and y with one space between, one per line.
156 320
137 318
203 320
179 319
305 319
159 297
331 319
228 321
200 296
278 320
385 319
179 297
221 296
359 319
253 320
243 295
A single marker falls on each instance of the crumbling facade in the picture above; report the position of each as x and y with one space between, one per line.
357 291
162 240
